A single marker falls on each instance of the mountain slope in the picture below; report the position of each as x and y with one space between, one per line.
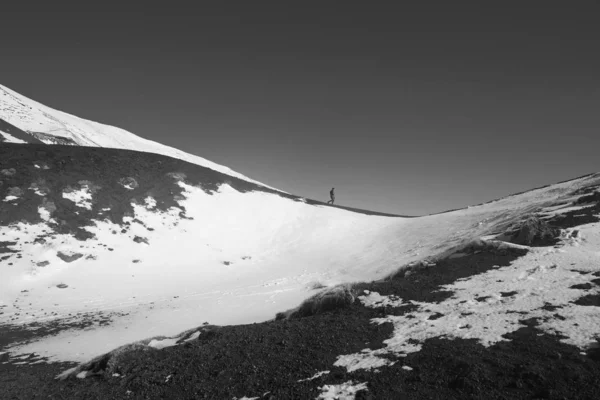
51 126
104 247
11 134
129 237
483 302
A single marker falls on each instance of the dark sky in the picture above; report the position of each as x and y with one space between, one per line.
406 109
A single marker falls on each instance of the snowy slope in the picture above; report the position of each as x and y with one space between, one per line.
218 253
11 134
52 126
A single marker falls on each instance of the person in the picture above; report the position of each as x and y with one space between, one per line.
332 195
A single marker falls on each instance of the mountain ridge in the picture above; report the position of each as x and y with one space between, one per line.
53 126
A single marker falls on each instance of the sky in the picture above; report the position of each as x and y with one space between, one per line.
407 109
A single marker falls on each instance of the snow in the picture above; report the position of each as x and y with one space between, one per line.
161 344
81 198
31 116
241 259
315 376
366 360
8 138
10 198
44 213
374 300
344 391
545 276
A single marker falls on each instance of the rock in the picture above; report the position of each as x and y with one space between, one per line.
128 183
8 172
69 257
139 239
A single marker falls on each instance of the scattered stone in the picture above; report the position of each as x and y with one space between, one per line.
128 183
62 286
139 239
43 263
178 176
41 164
8 172
15 191
532 231
435 316
592 300
582 286
69 257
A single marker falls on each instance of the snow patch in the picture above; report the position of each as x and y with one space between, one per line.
344 391
315 376
44 213
82 197
8 138
150 202
375 300
162 343
367 359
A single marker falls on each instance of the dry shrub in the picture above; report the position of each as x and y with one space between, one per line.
532 231
334 298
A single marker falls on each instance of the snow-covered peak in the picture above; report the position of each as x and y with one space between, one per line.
56 127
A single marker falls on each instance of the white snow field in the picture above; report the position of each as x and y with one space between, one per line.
31 116
242 258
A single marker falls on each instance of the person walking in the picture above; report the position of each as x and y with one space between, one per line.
332 195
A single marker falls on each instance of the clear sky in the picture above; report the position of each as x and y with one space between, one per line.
409 109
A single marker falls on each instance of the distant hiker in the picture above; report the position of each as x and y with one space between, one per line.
332 195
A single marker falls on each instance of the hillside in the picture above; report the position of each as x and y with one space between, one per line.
104 247
44 124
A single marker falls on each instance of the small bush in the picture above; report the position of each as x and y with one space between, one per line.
328 300
532 231
316 285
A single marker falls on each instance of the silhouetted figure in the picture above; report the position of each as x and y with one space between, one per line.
332 195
